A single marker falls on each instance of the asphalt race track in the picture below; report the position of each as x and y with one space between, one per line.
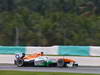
92 70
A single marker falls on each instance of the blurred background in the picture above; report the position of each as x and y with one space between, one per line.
49 22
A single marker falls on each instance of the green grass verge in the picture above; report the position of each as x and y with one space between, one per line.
38 73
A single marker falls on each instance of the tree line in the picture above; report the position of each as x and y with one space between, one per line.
49 22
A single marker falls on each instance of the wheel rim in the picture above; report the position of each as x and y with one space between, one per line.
60 63
20 62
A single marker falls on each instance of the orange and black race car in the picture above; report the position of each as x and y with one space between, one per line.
39 59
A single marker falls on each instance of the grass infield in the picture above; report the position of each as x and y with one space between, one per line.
38 73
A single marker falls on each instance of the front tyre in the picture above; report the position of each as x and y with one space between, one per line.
60 63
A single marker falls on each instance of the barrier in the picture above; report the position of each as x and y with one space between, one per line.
95 51
74 50
53 50
12 49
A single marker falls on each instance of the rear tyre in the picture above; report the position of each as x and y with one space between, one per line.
60 63
20 62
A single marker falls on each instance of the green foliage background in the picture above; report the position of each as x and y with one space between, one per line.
49 22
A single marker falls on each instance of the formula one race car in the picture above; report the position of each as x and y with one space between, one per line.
39 59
